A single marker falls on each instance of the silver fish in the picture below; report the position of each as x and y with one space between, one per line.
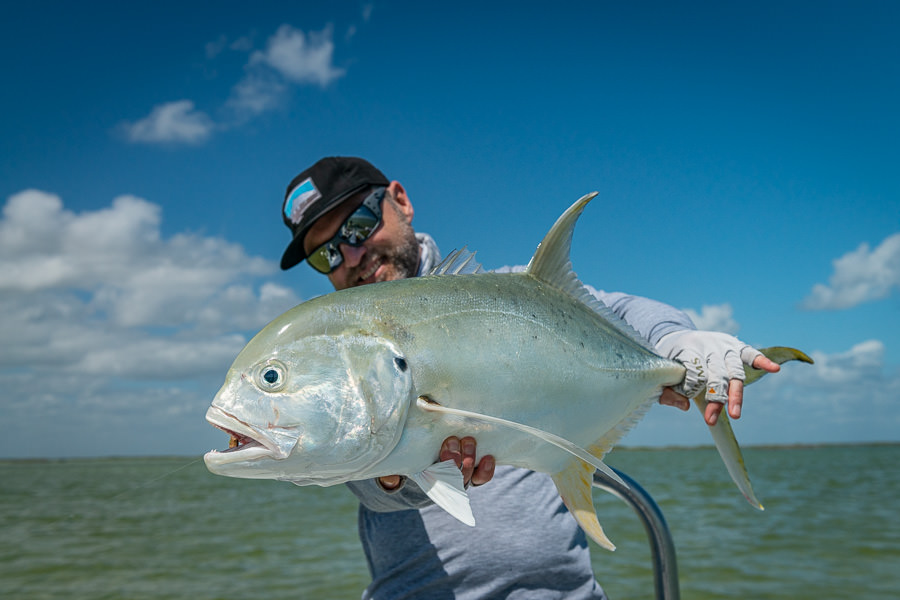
368 381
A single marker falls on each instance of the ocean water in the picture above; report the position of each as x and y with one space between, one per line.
135 528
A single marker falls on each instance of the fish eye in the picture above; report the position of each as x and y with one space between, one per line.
271 376
401 363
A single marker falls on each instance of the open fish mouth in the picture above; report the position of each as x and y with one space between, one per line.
244 442
237 441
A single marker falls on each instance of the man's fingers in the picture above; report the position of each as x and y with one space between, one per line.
468 458
390 482
735 398
484 472
735 403
462 452
712 413
764 364
450 451
670 397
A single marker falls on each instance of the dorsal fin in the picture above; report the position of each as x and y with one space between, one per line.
552 264
459 262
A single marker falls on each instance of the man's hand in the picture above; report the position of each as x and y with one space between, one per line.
714 364
462 452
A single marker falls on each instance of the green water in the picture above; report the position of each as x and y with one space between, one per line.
165 528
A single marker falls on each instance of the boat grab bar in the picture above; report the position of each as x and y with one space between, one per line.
662 547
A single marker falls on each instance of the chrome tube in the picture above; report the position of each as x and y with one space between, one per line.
662 547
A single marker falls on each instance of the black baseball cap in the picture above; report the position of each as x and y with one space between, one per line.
317 190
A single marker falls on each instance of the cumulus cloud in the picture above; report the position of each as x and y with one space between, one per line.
300 57
291 57
715 318
863 275
171 123
258 92
97 307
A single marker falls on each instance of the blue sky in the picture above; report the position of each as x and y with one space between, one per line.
745 155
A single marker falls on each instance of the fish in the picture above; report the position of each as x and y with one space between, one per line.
368 381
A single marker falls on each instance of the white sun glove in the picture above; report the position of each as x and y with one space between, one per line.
710 358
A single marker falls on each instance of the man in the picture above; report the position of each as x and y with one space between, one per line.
353 224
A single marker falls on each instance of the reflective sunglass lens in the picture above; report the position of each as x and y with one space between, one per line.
359 226
324 260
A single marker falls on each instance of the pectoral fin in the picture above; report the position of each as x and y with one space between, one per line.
550 438
443 483
575 483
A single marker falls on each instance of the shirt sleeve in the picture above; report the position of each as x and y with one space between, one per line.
652 319
374 497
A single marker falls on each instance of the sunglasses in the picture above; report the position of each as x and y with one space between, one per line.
358 227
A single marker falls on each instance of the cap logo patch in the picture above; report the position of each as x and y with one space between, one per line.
304 194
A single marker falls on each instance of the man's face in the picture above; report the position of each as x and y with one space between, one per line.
390 253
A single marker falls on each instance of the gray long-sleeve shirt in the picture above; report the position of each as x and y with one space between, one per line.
526 544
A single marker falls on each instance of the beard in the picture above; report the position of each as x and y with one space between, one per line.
403 259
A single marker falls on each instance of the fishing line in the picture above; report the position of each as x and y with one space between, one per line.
154 480
133 489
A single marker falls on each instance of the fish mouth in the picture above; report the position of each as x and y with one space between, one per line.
244 443
237 441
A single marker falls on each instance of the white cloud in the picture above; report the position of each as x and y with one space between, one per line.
299 57
291 57
257 93
173 122
100 311
860 276
715 318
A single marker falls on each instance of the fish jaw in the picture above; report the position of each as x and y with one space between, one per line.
252 446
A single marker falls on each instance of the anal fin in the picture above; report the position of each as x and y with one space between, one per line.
575 484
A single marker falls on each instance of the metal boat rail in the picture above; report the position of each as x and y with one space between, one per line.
662 547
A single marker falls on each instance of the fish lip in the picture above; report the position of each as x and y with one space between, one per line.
252 445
